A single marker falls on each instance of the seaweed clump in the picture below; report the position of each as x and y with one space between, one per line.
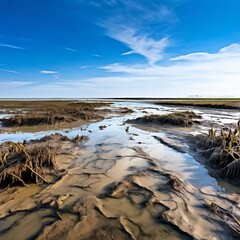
30 162
223 151
181 119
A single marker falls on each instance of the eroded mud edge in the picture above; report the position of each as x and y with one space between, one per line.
105 195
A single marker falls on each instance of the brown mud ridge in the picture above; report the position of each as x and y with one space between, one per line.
181 119
202 103
103 194
51 112
33 161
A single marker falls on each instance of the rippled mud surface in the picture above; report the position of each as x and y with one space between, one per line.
123 183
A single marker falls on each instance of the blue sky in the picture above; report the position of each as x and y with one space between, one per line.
119 48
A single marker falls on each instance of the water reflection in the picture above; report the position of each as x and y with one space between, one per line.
183 164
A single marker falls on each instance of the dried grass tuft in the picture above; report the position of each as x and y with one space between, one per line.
30 162
223 150
21 164
181 119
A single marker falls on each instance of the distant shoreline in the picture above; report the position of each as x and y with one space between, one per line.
130 98
218 103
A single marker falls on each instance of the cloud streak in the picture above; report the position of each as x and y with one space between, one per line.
71 49
15 83
136 24
224 63
232 50
96 55
48 72
141 44
200 72
8 71
210 74
10 46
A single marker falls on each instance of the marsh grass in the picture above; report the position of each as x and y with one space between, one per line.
30 162
182 119
222 148
52 114
22 164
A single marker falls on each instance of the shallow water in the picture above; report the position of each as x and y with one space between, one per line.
110 157
181 163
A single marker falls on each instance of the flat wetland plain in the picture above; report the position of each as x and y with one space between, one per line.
120 169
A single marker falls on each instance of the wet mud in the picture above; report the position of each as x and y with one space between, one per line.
122 182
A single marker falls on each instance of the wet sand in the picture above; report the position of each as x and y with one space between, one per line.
123 183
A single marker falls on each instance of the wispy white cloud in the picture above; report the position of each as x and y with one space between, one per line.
136 24
153 10
141 44
223 64
53 74
71 49
15 83
195 73
84 67
8 71
163 13
215 74
10 46
139 26
96 55
127 53
233 50
49 72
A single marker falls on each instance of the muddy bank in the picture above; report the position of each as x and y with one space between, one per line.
219 150
181 119
52 112
118 185
219 103
33 161
201 103
44 105
222 149
142 201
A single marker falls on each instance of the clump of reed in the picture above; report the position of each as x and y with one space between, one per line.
22 164
33 119
49 118
222 148
52 113
58 137
31 161
181 119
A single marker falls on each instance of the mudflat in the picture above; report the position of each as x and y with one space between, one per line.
118 170
230 104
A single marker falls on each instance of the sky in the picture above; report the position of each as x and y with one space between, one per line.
119 48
